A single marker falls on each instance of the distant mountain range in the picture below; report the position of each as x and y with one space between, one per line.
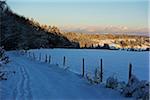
109 29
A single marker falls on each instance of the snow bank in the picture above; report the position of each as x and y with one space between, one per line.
112 82
137 89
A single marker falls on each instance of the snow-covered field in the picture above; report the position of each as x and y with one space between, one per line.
34 80
31 79
114 62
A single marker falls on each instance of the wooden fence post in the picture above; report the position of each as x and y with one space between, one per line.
49 59
40 57
83 67
46 58
29 54
64 61
101 62
130 71
33 56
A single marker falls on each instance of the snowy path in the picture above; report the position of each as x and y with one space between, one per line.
37 81
22 90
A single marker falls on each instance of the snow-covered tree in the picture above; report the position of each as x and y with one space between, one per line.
131 86
137 89
3 58
89 78
97 76
112 82
142 91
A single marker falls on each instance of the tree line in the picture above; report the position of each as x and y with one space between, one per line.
19 32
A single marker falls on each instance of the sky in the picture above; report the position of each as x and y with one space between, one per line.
89 15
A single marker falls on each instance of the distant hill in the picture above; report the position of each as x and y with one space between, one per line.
19 32
118 41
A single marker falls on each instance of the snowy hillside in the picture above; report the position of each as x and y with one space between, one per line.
40 81
19 32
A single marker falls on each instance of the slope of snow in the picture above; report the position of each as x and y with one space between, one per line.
114 62
41 81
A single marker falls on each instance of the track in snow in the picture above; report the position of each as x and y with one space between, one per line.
22 90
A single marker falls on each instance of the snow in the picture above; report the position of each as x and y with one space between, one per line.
137 89
114 62
112 82
39 81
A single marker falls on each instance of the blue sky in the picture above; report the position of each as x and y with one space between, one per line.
129 13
